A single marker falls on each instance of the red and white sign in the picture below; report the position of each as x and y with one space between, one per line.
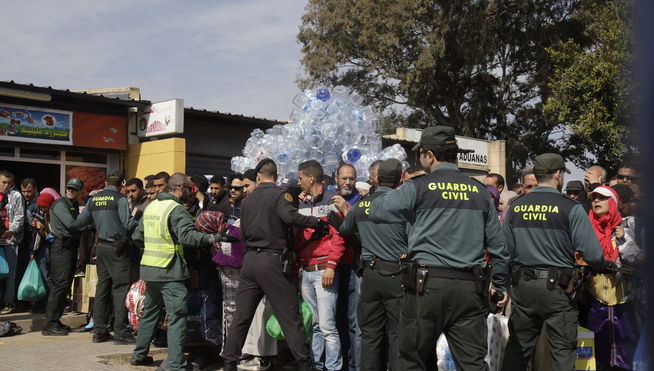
161 118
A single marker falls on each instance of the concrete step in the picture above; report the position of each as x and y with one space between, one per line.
34 321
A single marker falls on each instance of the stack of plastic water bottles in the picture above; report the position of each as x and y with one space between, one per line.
330 126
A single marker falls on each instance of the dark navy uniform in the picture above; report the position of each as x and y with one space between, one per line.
378 310
451 220
109 211
543 230
266 215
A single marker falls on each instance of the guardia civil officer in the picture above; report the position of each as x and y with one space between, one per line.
543 230
451 220
164 230
63 255
383 245
109 212
266 215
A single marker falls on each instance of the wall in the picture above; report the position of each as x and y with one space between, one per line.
147 158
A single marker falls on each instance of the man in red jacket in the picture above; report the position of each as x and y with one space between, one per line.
319 260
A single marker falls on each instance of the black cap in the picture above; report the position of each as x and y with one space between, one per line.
390 171
548 163
437 135
116 175
574 185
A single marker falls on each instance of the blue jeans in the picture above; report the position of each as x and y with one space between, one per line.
8 284
322 302
346 317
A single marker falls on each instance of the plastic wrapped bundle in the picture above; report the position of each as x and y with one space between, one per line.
329 125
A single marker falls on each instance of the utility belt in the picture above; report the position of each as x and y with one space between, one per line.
566 278
266 250
62 242
375 263
415 276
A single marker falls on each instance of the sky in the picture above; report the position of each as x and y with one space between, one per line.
238 57
232 56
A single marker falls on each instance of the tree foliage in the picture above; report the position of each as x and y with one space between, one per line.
481 66
591 87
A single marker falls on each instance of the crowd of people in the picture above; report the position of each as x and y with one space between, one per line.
385 266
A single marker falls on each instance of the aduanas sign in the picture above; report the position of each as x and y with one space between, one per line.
476 151
161 119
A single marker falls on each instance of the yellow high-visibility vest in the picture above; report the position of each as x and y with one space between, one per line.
159 245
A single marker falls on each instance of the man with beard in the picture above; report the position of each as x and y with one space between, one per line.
346 316
346 195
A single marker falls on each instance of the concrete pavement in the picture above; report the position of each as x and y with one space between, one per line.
33 351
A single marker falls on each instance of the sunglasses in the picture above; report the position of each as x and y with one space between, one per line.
236 188
72 189
626 177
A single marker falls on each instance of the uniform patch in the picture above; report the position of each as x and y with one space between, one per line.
288 197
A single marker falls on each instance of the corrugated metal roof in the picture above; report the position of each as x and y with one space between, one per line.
233 116
132 102
68 93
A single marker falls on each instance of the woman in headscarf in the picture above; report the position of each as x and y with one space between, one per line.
609 310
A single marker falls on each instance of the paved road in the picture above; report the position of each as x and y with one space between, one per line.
33 351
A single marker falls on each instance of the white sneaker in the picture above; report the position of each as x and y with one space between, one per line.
254 364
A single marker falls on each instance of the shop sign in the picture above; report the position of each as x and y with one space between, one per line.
478 154
161 119
35 125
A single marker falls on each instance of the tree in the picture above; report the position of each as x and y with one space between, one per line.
480 66
592 87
